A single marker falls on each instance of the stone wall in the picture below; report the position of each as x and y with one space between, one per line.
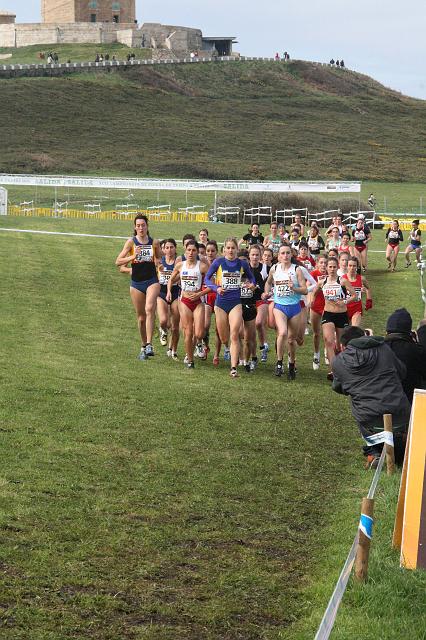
179 39
22 35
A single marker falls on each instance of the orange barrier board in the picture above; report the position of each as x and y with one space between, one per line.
411 536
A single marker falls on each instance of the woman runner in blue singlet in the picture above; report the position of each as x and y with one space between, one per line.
168 312
228 271
144 253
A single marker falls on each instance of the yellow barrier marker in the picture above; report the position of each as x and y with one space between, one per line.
410 523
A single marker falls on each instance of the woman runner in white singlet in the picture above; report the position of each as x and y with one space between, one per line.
289 286
190 272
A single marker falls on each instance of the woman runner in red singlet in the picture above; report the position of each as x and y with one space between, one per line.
360 285
317 308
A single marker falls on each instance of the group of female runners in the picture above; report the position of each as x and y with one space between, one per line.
281 281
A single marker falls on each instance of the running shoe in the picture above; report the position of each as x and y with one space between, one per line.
264 355
253 364
315 364
190 365
279 370
372 462
186 360
163 338
266 347
169 353
292 372
330 376
226 354
408 264
149 350
142 355
215 360
233 373
200 352
174 356
247 368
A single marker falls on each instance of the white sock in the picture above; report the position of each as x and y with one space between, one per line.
317 355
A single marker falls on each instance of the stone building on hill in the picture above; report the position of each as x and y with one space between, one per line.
106 22
71 11
6 17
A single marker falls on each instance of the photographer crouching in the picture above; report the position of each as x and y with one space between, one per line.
369 372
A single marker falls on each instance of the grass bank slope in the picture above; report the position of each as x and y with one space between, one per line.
253 120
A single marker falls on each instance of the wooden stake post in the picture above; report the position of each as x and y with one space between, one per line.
390 451
363 551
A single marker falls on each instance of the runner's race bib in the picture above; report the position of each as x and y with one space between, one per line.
146 254
164 277
282 288
231 280
245 291
189 282
332 293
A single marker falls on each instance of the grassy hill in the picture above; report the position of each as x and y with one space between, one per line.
72 51
238 120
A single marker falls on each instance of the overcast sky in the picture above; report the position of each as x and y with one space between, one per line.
382 38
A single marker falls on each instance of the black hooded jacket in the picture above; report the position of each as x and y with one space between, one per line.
370 373
413 355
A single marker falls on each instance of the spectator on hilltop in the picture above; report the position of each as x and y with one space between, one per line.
277 56
342 64
332 61
369 372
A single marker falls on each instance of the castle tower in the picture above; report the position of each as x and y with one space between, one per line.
66 11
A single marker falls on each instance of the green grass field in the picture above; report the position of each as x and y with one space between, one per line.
140 500
73 51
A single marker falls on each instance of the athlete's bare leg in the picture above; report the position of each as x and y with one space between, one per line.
187 323
293 328
150 306
138 300
356 319
281 327
235 316
163 313
175 319
329 335
316 330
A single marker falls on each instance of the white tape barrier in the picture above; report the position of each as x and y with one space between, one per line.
422 280
366 526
